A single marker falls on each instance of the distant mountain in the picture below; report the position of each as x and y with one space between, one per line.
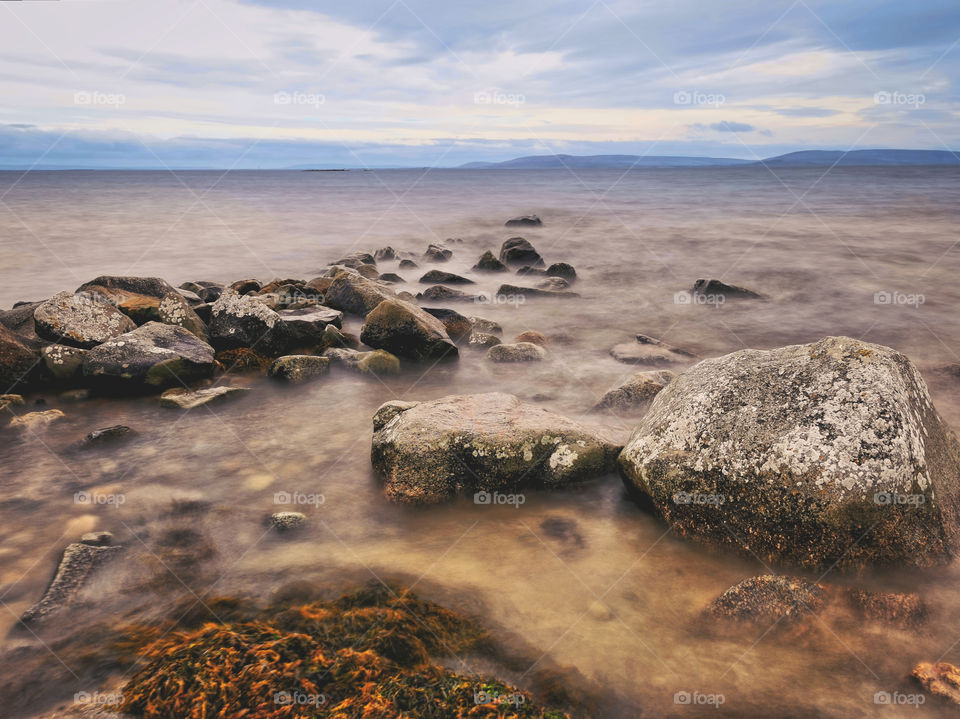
620 162
804 158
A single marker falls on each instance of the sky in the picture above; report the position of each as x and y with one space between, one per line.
247 84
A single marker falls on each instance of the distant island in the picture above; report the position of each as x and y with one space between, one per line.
805 158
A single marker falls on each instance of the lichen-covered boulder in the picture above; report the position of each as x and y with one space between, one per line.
810 454
405 330
62 361
431 451
173 309
137 297
357 295
154 355
242 321
79 320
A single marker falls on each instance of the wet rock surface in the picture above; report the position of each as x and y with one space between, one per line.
518 252
299 368
78 563
180 398
377 362
636 392
405 330
79 320
516 352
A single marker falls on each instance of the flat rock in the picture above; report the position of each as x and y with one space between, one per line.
769 598
649 351
483 325
79 320
482 340
377 362
306 327
821 453
154 355
78 563
636 392
440 277
181 398
524 221
527 292
354 294
722 289
516 352
518 252
299 368
429 452
287 521
439 293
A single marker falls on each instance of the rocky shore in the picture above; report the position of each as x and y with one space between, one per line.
811 457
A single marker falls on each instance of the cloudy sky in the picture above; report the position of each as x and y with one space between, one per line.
288 83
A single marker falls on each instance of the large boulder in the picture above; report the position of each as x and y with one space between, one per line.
79 320
154 355
20 319
136 297
431 451
810 454
355 294
405 330
517 251
242 321
306 327
19 358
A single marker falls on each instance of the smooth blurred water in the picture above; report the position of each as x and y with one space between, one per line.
818 246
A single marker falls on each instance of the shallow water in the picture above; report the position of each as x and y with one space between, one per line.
818 246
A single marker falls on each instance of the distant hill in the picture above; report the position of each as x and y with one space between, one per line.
804 158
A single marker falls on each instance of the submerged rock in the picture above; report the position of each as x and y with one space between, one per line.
79 320
439 293
515 291
518 252
404 329
437 253
354 294
562 269
524 221
299 368
722 289
377 362
815 454
489 263
181 398
431 451
532 336
408 265
649 351
553 283
385 253
287 521
107 435
636 392
437 277
456 324
391 277
19 358
769 598
153 355
78 562
517 352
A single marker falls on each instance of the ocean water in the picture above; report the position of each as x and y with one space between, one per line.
866 252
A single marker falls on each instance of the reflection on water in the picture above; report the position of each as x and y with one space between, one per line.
584 576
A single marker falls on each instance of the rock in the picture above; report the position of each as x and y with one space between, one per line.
456 324
408 265
204 311
320 284
437 253
286 521
181 398
97 539
553 283
562 269
19 359
377 362
904 609
152 356
173 309
385 253
528 271
78 562
75 395
36 421
355 259
307 327
820 453
435 277
369 271
288 296
439 293
524 221
136 297
482 340
391 277
405 330
354 294
489 263
941 679
242 287
525 292
107 435
721 289
636 392
211 294
192 297
431 451
62 361
191 287
334 337
242 321
488 326
519 352
20 319
769 598
600 611
299 368
10 400
649 351
517 251
79 321
533 337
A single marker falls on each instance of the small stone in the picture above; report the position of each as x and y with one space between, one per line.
524 221
287 521
187 399
97 539
519 352
391 277
107 435
532 336
600 611
636 392
527 292
299 368
377 362
385 253
553 283
482 340
722 289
